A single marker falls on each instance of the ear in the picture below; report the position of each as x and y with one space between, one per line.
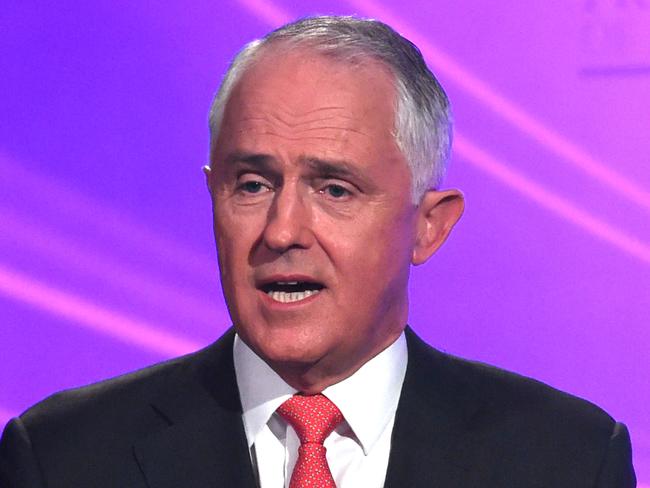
438 212
207 171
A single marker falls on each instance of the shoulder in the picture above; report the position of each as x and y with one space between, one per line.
125 406
522 409
503 426
86 434
108 396
505 411
514 395
489 390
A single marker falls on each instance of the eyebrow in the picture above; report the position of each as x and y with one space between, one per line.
253 159
332 168
324 168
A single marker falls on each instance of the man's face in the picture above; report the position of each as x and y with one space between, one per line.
313 216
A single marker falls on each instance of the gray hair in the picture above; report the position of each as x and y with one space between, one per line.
422 128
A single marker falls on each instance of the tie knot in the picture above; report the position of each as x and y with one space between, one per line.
313 417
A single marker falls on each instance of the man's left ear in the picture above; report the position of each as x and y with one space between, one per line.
438 212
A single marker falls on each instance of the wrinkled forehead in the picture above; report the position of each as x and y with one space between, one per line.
298 102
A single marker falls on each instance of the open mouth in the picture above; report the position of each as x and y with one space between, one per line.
291 291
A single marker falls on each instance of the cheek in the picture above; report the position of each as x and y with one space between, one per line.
230 248
374 243
234 229
371 260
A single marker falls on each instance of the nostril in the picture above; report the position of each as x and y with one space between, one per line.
281 242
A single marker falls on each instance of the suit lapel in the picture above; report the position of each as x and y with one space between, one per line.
431 443
203 443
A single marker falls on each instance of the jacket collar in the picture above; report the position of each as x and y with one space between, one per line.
430 443
203 443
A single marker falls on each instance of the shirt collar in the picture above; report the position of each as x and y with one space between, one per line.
261 389
367 399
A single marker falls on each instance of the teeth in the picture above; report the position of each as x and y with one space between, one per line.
287 282
288 297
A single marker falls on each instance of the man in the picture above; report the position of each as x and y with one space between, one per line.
328 143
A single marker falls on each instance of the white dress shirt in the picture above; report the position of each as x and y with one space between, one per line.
357 451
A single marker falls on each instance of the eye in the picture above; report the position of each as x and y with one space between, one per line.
336 191
252 185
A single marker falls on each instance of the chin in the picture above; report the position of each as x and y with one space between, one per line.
281 344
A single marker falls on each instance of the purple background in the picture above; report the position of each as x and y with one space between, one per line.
106 255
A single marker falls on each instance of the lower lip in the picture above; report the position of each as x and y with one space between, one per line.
289 305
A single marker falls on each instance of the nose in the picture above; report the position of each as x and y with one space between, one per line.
288 223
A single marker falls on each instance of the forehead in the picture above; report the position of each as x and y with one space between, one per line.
298 94
301 77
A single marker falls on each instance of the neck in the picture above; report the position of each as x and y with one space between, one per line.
313 378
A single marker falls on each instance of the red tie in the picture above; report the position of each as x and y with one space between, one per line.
313 418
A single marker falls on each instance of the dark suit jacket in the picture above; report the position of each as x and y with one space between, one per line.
178 424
